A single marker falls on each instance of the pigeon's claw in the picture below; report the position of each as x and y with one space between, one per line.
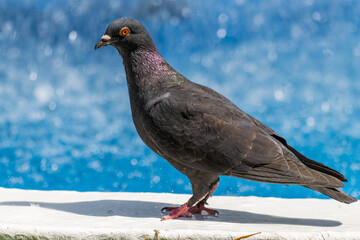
176 212
180 211
200 207
168 209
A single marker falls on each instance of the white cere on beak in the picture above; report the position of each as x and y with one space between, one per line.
105 38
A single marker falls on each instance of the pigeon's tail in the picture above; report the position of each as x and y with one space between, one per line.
316 165
334 193
328 191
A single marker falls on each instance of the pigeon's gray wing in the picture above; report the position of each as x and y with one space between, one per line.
308 162
205 131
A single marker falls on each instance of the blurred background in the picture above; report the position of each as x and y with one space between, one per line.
65 121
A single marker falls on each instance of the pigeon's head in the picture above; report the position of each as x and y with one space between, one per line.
126 35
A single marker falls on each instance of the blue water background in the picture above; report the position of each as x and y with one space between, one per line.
65 120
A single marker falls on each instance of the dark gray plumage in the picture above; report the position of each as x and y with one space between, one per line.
202 133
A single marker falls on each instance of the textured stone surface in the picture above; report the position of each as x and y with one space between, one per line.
64 214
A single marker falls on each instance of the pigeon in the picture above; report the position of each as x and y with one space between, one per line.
202 133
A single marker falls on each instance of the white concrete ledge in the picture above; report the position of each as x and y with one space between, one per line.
99 215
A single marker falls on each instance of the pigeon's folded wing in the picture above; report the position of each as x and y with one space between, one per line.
208 133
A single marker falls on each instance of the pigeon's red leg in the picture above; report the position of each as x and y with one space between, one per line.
168 209
201 205
185 210
176 212
179 211
193 210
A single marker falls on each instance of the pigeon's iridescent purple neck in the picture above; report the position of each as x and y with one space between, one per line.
147 69
146 62
147 74
150 60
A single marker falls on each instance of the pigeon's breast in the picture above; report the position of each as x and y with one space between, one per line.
144 125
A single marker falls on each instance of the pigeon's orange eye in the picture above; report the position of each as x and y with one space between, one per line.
124 31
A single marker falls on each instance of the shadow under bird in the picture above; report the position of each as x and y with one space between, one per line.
203 134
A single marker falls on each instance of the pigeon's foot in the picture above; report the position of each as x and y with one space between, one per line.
196 209
200 207
176 212
193 210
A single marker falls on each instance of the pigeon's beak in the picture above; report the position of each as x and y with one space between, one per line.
104 41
